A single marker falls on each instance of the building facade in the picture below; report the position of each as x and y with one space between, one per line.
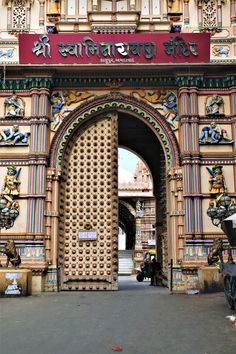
80 78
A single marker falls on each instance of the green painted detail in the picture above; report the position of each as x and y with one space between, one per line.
224 40
203 82
95 81
122 105
27 84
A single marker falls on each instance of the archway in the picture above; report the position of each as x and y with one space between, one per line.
141 129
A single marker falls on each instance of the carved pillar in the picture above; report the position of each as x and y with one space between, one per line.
28 15
132 5
41 12
164 10
55 215
9 14
200 20
186 12
219 14
63 10
95 5
51 217
233 12
175 212
233 113
48 209
186 139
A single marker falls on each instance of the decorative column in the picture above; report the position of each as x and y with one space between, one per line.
175 222
95 5
164 11
28 4
233 11
186 12
51 228
186 148
132 5
41 12
63 10
219 13
9 14
200 19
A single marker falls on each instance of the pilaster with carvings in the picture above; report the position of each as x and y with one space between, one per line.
233 11
186 12
41 12
176 214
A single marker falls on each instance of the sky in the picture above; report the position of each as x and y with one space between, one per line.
127 162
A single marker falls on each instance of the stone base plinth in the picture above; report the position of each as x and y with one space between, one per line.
15 282
210 280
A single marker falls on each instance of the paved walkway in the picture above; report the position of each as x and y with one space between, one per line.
139 318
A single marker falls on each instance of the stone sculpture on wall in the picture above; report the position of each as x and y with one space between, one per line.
13 137
14 106
12 256
57 102
9 207
214 134
169 107
221 51
166 103
174 6
215 105
60 102
216 181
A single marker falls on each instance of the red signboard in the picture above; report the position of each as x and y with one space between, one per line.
87 48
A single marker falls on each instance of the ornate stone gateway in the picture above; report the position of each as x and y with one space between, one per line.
88 224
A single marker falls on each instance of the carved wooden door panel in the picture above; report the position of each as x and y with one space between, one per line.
88 224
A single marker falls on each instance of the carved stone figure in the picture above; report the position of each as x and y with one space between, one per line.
174 6
54 7
215 105
221 52
57 101
169 107
12 256
11 185
216 252
13 106
13 136
216 181
214 134
76 96
166 101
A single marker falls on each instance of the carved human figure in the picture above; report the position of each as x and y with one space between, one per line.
174 6
54 7
215 105
57 101
169 108
13 135
214 134
216 181
13 106
11 186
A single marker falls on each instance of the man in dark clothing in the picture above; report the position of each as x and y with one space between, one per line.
155 272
